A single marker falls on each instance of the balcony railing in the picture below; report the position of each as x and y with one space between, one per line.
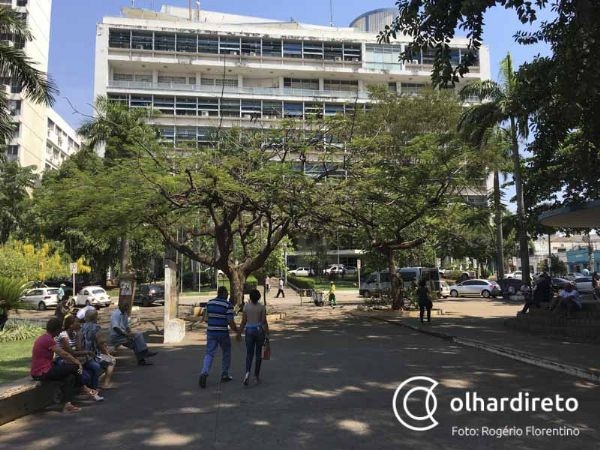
253 91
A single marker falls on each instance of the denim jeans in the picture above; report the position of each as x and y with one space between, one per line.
93 368
212 342
255 338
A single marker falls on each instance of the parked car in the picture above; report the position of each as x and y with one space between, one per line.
583 284
444 289
41 298
517 274
375 283
148 294
335 269
300 272
558 283
572 275
351 270
483 288
92 295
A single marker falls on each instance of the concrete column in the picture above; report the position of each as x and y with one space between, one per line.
174 328
155 76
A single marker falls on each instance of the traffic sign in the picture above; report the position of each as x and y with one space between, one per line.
73 267
358 263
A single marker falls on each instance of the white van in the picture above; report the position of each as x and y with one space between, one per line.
375 283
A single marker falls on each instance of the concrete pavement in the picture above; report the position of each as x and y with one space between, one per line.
329 385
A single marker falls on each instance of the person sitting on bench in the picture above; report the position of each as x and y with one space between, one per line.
120 334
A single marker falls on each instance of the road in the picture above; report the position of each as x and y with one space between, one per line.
329 385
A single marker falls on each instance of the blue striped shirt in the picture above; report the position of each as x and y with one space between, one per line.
219 313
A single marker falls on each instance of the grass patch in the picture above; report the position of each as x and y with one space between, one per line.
15 358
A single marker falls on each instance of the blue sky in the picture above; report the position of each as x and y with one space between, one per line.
74 22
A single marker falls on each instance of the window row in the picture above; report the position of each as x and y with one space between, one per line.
226 45
229 107
390 54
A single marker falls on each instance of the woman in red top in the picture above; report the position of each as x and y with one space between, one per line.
43 369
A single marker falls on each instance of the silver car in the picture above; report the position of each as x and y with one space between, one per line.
41 298
483 288
583 284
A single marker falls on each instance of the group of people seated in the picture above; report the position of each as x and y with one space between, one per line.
75 351
567 301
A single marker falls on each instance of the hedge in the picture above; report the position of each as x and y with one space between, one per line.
301 282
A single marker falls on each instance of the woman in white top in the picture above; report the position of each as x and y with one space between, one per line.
254 323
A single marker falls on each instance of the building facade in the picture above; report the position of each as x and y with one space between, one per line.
201 69
31 145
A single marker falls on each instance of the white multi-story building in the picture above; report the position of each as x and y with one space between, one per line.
202 69
30 143
61 140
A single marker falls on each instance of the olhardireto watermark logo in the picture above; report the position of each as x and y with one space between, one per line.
406 392
415 404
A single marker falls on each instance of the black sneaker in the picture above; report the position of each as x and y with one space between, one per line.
226 378
150 354
202 380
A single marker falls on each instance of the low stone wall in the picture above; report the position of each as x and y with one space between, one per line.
25 396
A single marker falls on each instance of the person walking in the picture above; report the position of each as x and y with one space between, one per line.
61 292
280 290
256 329
332 294
424 301
219 313
267 284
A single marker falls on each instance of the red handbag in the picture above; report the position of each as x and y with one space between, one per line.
266 350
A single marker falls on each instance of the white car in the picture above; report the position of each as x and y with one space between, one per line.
92 295
583 284
300 272
444 289
41 298
518 275
335 269
483 288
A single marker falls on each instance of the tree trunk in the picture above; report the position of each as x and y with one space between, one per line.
498 220
124 253
395 282
523 241
237 278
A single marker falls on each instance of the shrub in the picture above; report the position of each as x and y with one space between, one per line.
20 332
301 282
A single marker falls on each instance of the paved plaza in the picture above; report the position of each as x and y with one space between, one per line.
329 385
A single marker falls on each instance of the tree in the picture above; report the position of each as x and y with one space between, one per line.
558 92
25 261
14 197
19 68
406 163
557 267
498 108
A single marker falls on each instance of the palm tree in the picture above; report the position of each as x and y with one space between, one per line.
19 68
499 108
11 291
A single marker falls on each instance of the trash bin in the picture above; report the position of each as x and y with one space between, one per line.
318 298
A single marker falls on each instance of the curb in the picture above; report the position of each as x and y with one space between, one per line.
507 352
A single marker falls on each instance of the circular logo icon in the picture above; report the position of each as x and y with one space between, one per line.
406 391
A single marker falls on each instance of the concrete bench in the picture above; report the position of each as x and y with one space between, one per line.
25 396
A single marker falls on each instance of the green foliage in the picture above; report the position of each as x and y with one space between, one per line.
14 197
20 332
20 68
29 262
557 267
301 282
11 290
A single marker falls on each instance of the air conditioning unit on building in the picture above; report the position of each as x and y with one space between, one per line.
204 113
234 53
338 58
252 53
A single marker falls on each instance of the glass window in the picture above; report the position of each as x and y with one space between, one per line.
272 109
229 46
119 98
340 85
252 107
21 2
230 107
172 79
313 109
167 134
295 83
428 56
12 150
293 109
352 52
271 48
141 101
454 56
119 39
185 106
208 107
251 47
141 40
334 51
187 43
208 44
292 49
313 50
164 104
122 76
333 109
164 42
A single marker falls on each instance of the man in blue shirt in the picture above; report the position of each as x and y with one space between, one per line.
219 313
120 334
